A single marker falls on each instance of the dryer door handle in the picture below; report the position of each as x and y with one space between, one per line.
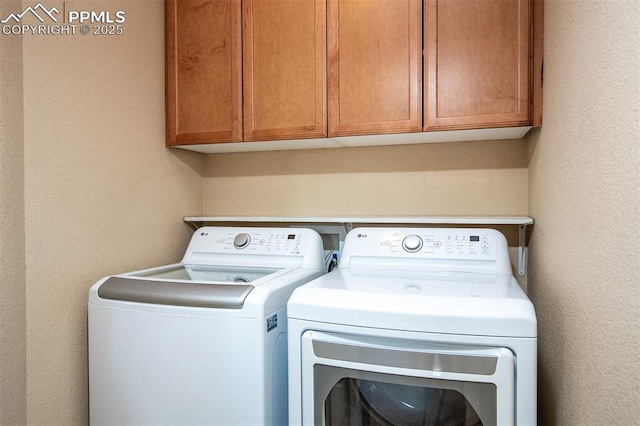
425 359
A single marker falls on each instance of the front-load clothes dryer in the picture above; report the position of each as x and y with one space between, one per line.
416 326
203 341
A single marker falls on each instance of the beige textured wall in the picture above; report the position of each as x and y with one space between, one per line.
12 251
102 193
470 178
584 197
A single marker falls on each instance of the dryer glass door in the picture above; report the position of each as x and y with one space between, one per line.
359 380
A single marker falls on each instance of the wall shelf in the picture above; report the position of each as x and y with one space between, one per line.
349 222
403 220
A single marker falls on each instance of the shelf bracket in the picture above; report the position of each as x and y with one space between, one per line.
194 225
522 260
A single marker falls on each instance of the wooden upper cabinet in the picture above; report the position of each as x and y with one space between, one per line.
259 70
477 63
374 53
203 71
284 63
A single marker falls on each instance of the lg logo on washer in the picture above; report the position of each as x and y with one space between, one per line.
362 235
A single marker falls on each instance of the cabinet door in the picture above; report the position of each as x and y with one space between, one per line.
477 66
203 71
284 63
374 80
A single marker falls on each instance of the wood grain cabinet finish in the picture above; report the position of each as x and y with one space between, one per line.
203 71
477 64
374 78
284 63
259 70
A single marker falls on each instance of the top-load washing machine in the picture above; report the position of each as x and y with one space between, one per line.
202 341
415 327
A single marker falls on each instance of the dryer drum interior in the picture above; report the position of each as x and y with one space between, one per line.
377 403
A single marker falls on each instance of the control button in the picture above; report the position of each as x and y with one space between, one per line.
412 243
241 241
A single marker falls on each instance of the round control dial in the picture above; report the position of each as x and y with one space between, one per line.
412 243
241 241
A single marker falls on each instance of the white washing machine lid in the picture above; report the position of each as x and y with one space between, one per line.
253 270
205 286
452 303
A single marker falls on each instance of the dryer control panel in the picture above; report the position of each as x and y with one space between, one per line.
463 247
452 244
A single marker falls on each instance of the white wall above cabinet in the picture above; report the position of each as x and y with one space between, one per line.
370 140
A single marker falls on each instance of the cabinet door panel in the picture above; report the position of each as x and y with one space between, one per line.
284 52
477 63
204 98
374 62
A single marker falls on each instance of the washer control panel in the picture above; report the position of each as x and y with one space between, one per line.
282 241
256 246
261 242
